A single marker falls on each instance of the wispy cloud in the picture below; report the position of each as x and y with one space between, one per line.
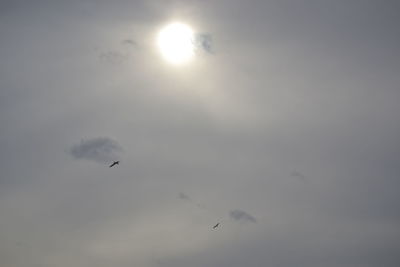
114 57
241 216
183 196
299 175
204 42
99 149
129 42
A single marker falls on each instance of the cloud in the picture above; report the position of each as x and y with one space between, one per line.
241 216
183 196
204 42
299 175
129 42
118 55
100 149
114 57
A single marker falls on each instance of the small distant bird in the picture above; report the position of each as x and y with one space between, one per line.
114 163
215 226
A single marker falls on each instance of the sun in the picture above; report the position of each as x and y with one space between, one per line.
176 43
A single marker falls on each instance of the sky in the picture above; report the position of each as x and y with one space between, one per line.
284 128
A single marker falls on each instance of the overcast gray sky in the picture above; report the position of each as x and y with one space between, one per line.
284 128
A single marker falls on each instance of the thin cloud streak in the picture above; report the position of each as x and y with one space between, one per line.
100 149
129 42
241 216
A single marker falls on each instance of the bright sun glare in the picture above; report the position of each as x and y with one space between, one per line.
175 42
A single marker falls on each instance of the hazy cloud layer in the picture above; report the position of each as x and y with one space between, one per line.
308 86
241 216
100 149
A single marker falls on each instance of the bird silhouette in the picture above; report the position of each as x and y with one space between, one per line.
114 163
215 226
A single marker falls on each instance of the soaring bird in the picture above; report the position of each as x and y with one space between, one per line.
215 226
114 163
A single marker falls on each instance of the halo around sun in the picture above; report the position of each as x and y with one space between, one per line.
176 43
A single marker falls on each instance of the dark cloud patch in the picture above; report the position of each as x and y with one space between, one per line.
204 42
299 175
241 216
129 42
100 149
114 57
183 196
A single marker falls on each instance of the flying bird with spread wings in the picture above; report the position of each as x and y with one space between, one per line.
215 226
114 163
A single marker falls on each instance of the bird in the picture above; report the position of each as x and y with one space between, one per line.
215 226
114 163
